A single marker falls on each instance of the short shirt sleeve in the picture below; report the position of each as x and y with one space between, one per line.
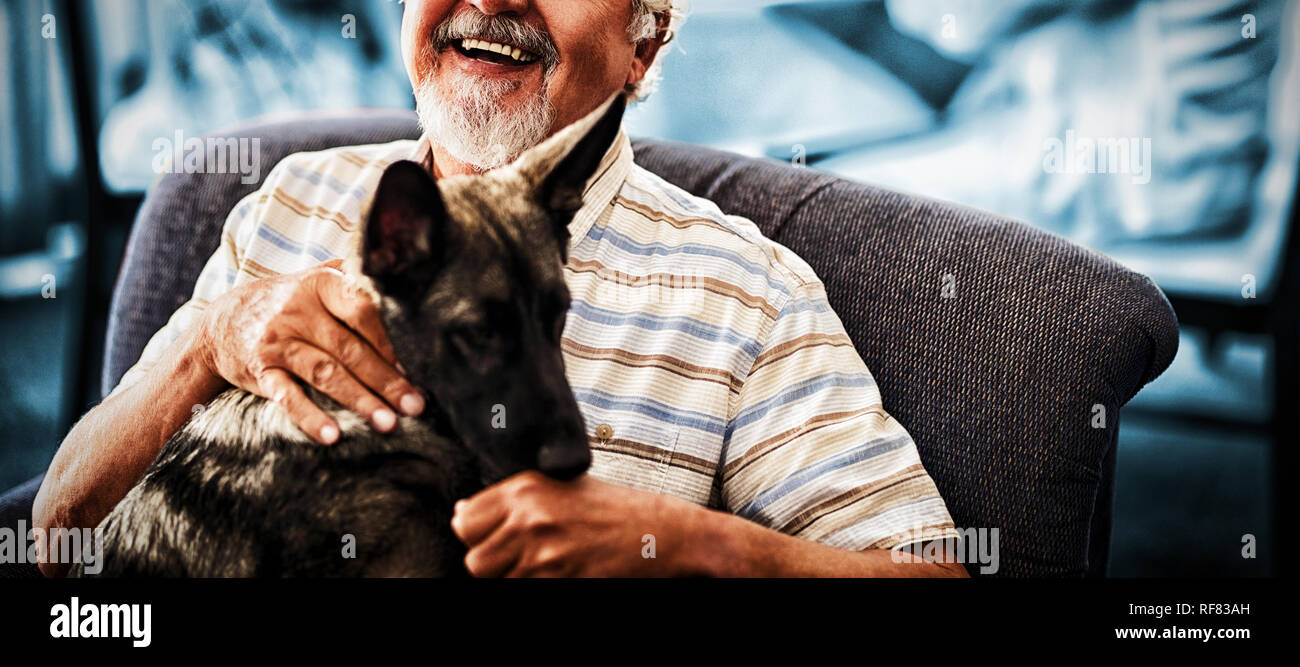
811 451
216 278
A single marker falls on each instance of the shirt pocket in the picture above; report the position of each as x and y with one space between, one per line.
692 469
630 450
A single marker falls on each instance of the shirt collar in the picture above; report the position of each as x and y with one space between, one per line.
422 153
601 188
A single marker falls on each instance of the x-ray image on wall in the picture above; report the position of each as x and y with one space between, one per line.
200 66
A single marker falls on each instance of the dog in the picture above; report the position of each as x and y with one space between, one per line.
468 273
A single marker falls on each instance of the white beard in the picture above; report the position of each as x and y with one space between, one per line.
474 127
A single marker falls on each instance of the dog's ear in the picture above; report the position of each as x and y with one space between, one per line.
562 188
403 231
561 166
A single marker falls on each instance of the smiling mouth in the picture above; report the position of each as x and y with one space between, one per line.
494 52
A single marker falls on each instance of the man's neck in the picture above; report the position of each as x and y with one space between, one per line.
445 165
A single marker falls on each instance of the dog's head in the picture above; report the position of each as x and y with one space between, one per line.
469 272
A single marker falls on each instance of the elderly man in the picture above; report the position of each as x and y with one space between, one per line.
735 429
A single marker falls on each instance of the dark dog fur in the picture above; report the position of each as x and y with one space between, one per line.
469 275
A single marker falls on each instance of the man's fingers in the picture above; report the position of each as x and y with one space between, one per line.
494 557
327 374
477 516
362 361
477 522
354 308
358 340
277 385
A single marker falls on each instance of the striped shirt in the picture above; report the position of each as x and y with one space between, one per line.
704 357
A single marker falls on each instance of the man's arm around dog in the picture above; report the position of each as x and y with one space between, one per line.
311 325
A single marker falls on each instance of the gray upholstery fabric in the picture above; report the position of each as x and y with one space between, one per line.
16 515
997 384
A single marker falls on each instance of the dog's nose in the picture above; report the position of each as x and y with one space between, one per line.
563 460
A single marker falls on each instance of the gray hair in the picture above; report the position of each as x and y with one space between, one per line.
644 26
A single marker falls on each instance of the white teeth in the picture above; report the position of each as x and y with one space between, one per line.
483 45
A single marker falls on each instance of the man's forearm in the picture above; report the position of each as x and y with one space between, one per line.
108 450
726 545
531 525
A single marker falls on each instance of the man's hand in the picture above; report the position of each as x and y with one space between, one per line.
530 525
315 325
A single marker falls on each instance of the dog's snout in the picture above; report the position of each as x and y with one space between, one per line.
563 460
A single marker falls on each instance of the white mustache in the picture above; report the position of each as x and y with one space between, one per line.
471 23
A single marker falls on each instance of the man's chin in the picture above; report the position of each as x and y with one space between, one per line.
483 122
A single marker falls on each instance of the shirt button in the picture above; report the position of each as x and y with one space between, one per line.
604 431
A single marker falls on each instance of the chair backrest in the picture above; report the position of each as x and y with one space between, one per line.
1006 351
